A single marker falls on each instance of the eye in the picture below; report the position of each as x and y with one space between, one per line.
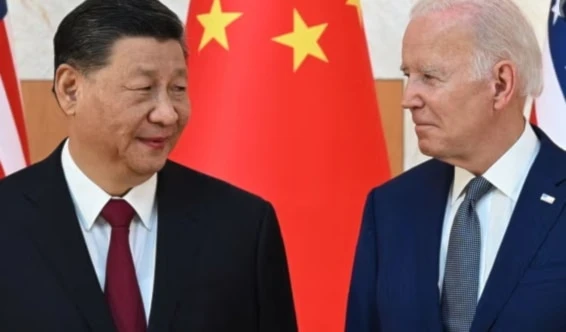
140 88
179 88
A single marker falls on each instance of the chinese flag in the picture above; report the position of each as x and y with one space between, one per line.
284 106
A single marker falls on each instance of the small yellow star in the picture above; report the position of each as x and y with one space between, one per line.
303 40
358 5
215 23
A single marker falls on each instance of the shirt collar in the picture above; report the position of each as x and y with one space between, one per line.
142 199
508 173
89 198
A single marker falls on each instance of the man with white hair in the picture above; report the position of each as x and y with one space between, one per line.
474 239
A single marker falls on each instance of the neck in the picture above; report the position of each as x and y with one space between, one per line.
107 175
494 145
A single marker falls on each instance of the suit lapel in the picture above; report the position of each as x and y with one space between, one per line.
434 193
531 221
57 234
177 242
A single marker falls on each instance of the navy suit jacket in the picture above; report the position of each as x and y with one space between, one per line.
394 283
220 259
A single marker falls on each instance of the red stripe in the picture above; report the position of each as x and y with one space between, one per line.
11 85
534 114
1 171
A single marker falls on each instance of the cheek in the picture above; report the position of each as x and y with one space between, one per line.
91 119
452 107
122 125
476 108
439 108
183 112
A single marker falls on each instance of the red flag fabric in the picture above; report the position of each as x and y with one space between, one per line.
13 139
284 106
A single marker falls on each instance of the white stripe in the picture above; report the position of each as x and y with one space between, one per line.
11 153
550 106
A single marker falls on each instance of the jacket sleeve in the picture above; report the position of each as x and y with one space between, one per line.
275 298
362 313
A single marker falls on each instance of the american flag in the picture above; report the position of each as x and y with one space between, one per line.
13 140
551 105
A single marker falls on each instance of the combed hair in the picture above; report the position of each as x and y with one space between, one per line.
85 37
502 33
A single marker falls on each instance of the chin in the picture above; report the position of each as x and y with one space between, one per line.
430 149
148 167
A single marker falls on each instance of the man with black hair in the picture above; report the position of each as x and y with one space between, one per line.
106 234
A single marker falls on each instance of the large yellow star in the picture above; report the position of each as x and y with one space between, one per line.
358 5
303 40
215 23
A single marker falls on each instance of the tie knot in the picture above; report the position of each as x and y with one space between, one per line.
477 187
118 213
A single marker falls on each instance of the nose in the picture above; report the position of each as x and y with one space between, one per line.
411 96
164 113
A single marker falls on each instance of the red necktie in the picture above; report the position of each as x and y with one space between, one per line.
121 288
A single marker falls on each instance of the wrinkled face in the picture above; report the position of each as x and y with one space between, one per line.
132 111
449 107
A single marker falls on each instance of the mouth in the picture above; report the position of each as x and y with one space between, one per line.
154 142
423 128
423 124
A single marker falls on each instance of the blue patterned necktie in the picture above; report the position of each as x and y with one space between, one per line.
461 276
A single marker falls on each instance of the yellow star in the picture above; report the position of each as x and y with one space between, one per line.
303 40
358 5
214 24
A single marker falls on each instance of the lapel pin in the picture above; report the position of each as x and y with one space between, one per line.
547 198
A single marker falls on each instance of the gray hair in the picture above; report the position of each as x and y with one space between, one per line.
502 32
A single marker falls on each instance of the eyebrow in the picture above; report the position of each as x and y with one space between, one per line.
424 69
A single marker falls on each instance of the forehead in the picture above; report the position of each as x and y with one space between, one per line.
437 39
131 53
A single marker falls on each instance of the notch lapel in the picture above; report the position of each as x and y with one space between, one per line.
428 213
178 238
56 233
531 221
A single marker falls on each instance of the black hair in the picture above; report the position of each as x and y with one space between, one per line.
85 36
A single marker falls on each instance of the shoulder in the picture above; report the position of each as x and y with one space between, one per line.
210 191
29 177
36 175
15 189
414 178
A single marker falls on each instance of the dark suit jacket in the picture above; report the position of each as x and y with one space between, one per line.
220 260
395 277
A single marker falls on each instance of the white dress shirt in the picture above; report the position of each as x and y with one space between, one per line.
494 210
89 199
